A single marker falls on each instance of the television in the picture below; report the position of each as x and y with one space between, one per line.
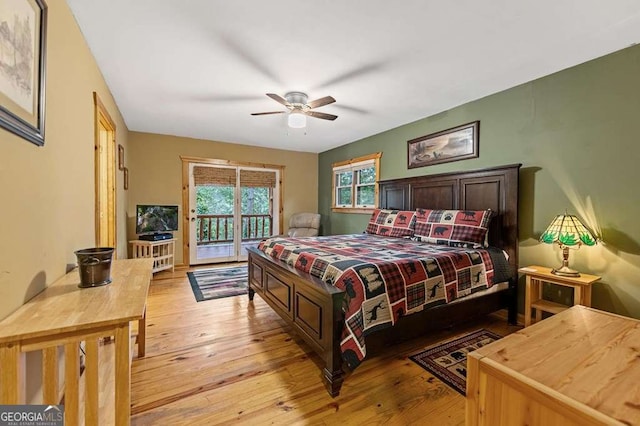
153 219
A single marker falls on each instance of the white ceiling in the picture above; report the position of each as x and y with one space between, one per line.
198 68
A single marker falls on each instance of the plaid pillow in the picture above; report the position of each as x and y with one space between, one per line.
392 223
456 228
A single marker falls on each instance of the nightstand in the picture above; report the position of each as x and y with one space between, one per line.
536 275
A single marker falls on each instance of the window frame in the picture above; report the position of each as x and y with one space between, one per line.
354 165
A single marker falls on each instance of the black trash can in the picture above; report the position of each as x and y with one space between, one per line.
94 266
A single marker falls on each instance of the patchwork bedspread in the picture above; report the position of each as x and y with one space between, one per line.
384 278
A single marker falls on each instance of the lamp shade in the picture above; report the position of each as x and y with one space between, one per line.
296 120
568 230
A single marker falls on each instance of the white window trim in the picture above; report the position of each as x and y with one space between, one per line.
357 185
354 165
337 188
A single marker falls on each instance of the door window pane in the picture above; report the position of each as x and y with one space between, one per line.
256 217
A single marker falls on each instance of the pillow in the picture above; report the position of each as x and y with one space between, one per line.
455 228
392 223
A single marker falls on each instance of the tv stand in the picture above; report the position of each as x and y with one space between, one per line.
162 252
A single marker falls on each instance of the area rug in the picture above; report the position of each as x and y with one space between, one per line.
448 361
215 283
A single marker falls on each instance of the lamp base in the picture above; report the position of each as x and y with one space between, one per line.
565 271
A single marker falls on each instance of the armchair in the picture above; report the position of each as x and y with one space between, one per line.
304 225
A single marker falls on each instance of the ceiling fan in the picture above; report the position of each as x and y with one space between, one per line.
299 107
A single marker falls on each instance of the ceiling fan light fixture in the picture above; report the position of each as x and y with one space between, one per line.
298 107
296 120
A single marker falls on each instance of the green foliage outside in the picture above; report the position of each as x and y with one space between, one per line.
344 196
367 175
365 180
219 200
345 178
366 196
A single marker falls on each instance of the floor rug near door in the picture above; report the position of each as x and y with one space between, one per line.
448 361
215 283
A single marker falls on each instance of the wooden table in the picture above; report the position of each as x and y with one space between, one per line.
536 275
65 315
579 367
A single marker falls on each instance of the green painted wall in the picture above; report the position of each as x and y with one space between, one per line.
576 134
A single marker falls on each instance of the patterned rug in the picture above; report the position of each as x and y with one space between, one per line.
215 283
448 361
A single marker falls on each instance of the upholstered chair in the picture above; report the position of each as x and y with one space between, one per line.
304 225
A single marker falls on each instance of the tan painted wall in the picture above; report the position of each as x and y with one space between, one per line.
155 173
47 192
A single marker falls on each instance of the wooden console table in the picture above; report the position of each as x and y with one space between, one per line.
578 367
65 315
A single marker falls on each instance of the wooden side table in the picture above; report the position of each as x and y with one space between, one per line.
536 275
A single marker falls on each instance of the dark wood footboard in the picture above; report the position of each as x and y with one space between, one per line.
314 311
311 307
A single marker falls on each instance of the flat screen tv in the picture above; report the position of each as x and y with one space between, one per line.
151 219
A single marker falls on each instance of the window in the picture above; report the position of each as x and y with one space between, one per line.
355 187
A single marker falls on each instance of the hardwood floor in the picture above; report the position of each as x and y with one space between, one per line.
231 361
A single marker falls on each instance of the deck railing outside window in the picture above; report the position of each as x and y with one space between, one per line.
218 228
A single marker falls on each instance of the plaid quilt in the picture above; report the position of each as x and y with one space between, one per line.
384 278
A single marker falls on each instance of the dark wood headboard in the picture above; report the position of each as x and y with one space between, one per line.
494 188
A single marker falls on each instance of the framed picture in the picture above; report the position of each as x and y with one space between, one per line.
126 178
120 157
22 68
454 144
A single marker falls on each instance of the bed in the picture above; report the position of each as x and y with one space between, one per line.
319 311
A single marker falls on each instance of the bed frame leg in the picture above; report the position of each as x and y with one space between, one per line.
251 293
332 373
333 380
512 315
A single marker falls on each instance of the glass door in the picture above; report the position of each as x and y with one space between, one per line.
257 193
212 203
231 209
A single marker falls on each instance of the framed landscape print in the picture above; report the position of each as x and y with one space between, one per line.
448 145
23 25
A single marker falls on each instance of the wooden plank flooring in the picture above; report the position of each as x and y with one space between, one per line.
231 361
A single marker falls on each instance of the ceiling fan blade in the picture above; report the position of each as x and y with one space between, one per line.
278 99
321 102
321 115
270 112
